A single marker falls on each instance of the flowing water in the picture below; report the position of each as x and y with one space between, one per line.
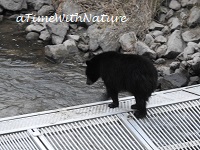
29 83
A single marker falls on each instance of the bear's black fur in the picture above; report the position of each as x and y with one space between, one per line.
124 72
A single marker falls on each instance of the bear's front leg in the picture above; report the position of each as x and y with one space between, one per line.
114 95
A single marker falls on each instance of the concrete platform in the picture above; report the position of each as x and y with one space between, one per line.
172 122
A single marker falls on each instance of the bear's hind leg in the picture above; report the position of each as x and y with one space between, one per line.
140 106
114 96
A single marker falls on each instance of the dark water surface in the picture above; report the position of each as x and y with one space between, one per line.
29 83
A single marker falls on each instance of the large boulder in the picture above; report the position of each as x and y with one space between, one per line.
175 80
127 41
58 31
143 49
108 40
13 5
194 17
94 32
192 35
175 45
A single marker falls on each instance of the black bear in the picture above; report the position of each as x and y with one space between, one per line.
124 72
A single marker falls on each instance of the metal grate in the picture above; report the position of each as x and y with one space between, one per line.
172 127
17 141
105 133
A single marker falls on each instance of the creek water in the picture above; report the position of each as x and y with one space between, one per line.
29 83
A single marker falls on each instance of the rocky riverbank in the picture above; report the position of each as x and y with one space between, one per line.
172 39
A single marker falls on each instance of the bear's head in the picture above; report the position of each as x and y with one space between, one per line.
92 71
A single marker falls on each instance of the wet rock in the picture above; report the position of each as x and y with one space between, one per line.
58 31
1 18
45 35
108 40
37 4
175 5
160 61
175 80
143 49
194 80
194 17
185 3
46 10
175 45
32 36
83 47
175 24
160 39
161 50
127 41
174 65
192 35
155 26
34 28
74 37
13 5
149 39
57 53
70 46
94 32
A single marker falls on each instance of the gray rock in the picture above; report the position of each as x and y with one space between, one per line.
45 35
193 44
94 32
154 46
160 61
37 4
160 39
195 62
156 33
169 14
174 65
34 28
164 9
74 37
143 49
165 30
163 70
161 50
175 5
57 31
188 52
149 39
32 36
127 41
162 17
46 10
175 45
185 3
83 47
69 7
1 18
73 26
175 24
192 35
70 46
56 52
108 40
155 26
194 17
194 80
175 80
13 5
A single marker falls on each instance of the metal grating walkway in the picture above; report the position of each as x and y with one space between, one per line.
172 123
